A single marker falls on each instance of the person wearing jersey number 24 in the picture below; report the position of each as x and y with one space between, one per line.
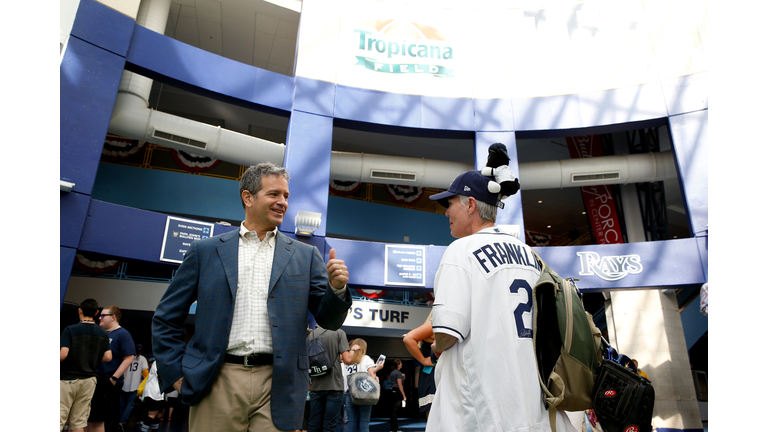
486 372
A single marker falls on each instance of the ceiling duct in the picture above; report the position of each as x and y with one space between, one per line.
616 169
202 139
397 170
578 178
391 175
169 137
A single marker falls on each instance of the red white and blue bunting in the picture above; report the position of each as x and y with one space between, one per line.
86 265
120 147
344 188
405 194
192 162
537 239
371 294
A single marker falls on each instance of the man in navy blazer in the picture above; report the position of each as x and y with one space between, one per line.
246 365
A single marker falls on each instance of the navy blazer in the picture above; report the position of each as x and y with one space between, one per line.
208 275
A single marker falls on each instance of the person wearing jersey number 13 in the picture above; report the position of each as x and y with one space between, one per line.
486 374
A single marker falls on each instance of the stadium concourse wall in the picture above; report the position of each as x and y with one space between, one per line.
103 42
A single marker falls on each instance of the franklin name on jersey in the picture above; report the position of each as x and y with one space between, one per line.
494 256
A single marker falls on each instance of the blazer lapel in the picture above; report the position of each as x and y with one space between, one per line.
283 252
227 249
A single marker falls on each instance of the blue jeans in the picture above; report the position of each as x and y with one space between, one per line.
126 405
324 410
358 416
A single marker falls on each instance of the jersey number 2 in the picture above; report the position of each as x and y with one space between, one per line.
522 330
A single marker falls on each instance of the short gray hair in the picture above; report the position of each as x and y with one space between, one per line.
486 211
251 179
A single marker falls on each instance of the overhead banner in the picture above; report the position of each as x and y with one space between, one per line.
490 49
383 315
598 200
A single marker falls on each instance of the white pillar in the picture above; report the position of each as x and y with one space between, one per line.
645 325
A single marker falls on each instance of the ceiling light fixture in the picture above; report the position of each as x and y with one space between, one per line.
306 223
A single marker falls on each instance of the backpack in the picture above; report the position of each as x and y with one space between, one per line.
387 384
566 342
622 397
319 362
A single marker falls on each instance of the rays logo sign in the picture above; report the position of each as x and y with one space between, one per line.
403 47
609 268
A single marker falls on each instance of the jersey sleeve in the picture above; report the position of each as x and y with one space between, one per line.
451 310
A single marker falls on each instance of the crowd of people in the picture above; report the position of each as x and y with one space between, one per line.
246 366
330 406
103 373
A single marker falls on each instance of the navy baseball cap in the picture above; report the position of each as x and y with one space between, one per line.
472 184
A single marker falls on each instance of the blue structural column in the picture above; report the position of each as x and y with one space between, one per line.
689 137
89 76
308 160
512 214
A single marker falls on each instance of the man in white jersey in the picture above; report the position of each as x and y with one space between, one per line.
486 374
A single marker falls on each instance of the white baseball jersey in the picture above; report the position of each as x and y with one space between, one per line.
488 380
134 375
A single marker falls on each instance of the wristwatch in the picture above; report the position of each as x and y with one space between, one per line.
114 378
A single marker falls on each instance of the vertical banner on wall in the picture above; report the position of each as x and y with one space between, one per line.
179 235
404 265
598 200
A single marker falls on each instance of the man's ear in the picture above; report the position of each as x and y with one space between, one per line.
246 197
471 204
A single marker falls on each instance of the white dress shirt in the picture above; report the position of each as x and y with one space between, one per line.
250 333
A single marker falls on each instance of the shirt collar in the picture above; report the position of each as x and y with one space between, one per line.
244 234
491 229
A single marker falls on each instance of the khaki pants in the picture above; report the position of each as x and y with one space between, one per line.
75 402
239 401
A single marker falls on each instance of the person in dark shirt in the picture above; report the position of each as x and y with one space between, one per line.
105 405
83 346
398 393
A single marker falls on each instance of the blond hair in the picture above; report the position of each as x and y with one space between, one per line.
358 356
